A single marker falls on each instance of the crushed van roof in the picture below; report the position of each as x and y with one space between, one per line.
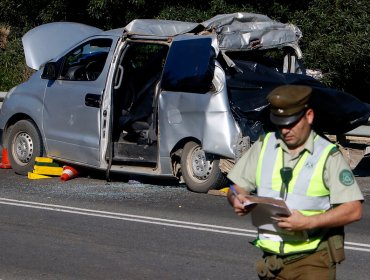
237 31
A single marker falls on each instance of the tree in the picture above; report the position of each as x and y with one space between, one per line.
335 33
336 41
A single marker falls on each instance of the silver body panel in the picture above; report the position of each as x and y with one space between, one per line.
206 117
156 27
48 41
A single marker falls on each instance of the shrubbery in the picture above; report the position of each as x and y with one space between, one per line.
335 33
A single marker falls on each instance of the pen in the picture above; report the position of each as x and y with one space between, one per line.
233 190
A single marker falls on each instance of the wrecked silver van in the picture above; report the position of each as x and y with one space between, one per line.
157 97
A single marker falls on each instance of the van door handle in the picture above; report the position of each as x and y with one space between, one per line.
93 100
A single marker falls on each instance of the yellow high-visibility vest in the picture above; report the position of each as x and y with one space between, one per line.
306 192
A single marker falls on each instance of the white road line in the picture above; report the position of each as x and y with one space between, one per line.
152 220
128 217
355 248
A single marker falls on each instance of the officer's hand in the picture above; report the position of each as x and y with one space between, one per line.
295 222
237 204
237 199
240 207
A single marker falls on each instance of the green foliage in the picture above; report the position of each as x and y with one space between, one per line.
336 41
335 33
13 70
17 13
183 13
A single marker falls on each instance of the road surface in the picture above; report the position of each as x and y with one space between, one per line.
87 228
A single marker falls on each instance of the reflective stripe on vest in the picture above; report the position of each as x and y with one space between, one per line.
306 193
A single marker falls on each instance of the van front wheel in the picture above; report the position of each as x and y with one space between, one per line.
200 170
24 145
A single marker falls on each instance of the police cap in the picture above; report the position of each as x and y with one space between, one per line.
288 103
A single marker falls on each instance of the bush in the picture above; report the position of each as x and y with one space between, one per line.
13 69
335 33
336 41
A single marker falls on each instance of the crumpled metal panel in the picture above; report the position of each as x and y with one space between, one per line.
222 20
235 31
247 31
155 27
206 117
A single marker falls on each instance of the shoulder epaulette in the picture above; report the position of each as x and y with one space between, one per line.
334 150
261 137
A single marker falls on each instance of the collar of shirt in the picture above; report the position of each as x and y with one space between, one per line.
308 146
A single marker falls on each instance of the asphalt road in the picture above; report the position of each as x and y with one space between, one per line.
87 228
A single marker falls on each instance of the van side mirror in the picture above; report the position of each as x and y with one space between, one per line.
50 71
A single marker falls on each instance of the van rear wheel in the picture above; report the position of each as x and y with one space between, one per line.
200 170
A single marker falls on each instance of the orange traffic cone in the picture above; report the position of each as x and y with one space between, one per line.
68 173
5 164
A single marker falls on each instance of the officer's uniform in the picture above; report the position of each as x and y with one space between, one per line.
338 185
341 189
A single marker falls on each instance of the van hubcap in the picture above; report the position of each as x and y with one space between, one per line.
201 166
23 148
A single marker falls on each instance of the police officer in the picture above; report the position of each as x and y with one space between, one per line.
310 174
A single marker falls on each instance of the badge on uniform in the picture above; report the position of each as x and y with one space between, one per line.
346 177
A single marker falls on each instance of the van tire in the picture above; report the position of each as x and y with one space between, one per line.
24 145
200 170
